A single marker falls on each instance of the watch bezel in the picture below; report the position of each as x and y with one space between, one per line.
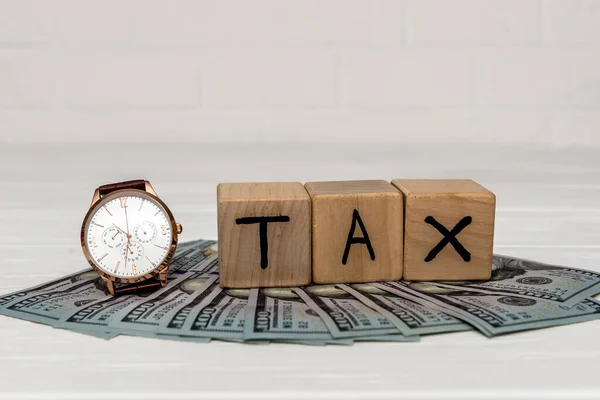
160 268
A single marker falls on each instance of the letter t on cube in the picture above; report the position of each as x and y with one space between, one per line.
264 234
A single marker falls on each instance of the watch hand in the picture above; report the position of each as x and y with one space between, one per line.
127 221
126 234
126 255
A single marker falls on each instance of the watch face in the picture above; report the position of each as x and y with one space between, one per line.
128 234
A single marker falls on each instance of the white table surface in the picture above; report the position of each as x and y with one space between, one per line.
548 210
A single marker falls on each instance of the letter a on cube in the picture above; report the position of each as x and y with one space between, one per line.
357 231
264 234
449 227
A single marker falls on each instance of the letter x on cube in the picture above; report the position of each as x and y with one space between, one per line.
449 229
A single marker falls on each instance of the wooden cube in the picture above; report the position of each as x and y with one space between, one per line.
449 229
264 234
357 231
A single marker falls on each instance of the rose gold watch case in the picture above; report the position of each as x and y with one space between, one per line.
161 270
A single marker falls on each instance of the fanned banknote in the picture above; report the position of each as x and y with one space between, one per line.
279 313
214 312
133 312
57 284
344 315
53 302
495 314
531 279
521 295
408 315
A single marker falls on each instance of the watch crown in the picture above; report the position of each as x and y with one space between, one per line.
179 227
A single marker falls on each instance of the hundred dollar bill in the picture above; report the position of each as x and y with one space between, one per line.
345 316
48 303
147 313
100 313
409 316
50 307
530 279
279 313
173 322
209 266
47 306
188 256
497 313
194 257
55 285
216 313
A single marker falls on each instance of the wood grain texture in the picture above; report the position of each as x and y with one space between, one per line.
288 255
379 206
447 202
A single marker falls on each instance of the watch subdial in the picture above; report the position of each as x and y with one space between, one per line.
113 238
145 232
134 251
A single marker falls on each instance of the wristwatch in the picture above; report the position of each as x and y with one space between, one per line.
129 236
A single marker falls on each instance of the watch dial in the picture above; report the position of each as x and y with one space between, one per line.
128 236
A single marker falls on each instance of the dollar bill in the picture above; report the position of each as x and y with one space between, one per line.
101 313
344 315
95 315
188 256
215 312
55 285
408 315
49 303
195 260
531 279
51 307
498 313
192 307
48 306
173 322
146 314
279 313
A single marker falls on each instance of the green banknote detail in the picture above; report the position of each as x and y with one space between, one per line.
409 316
148 314
216 313
495 313
531 279
82 276
83 294
279 313
344 315
174 321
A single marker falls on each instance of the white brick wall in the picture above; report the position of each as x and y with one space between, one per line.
505 71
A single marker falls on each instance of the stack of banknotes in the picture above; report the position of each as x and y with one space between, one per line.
521 295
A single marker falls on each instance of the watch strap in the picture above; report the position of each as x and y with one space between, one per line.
139 184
